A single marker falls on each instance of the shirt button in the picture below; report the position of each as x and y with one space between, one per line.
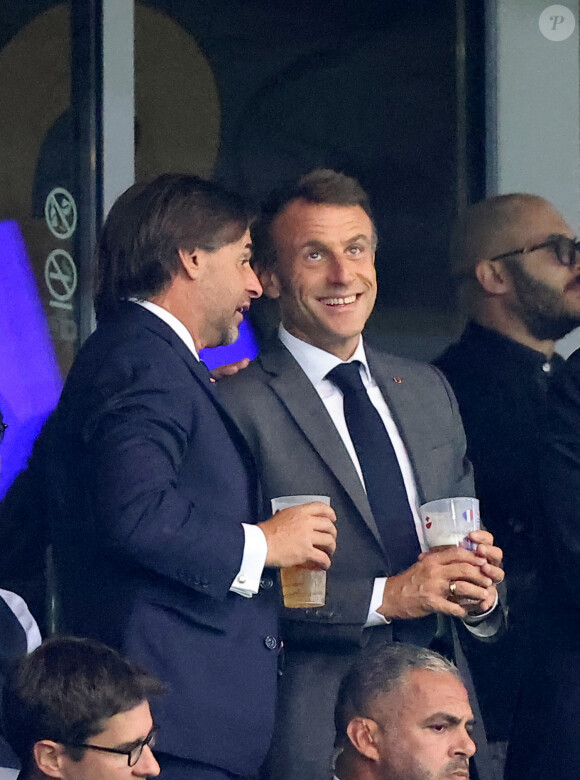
271 642
266 583
546 368
241 579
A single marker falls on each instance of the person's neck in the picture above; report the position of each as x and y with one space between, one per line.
514 329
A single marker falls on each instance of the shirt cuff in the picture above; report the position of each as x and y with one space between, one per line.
475 623
374 618
247 581
22 614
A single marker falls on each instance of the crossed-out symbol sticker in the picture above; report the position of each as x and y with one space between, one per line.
60 275
60 212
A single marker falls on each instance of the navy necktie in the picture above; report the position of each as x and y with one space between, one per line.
380 468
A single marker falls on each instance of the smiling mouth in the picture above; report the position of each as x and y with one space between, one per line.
344 301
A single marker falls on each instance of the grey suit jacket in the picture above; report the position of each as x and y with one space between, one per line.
299 451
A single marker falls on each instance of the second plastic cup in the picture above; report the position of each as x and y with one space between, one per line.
447 522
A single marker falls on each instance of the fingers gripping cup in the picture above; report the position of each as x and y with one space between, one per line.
448 522
301 586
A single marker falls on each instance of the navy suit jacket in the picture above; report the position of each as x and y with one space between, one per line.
152 485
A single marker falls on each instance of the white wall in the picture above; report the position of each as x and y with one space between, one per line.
533 105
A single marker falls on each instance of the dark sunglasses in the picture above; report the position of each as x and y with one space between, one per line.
566 250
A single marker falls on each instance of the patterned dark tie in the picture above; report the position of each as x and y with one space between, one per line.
382 474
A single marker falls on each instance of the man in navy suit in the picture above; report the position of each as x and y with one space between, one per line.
155 510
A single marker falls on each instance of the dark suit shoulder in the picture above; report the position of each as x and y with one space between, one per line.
423 377
124 351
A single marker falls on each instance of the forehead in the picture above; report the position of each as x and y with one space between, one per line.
425 693
301 223
536 221
126 727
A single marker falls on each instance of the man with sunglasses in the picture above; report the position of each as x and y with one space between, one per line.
516 261
77 710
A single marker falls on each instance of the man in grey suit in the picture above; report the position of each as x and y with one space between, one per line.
315 251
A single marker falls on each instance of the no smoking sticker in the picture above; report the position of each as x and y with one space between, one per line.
60 275
60 212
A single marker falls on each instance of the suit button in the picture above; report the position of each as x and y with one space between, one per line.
324 613
204 582
271 642
266 583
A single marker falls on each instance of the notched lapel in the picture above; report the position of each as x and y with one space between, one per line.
296 392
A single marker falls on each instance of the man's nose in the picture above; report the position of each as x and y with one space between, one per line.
465 745
340 270
253 285
147 765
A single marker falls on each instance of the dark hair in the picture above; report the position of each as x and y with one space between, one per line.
65 691
322 185
137 253
379 670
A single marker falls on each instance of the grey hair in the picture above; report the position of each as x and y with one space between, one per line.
379 670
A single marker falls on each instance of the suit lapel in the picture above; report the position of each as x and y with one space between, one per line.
396 395
303 403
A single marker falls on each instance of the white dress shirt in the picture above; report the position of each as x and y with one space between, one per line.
247 581
22 614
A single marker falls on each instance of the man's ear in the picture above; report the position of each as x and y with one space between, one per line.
190 262
270 283
362 733
492 276
48 756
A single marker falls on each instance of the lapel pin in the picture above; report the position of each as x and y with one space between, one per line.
397 379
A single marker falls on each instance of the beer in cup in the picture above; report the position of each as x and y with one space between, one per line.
301 586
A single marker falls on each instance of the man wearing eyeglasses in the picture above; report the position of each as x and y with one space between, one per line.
403 713
77 710
516 261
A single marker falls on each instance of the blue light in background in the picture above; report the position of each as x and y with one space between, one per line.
30 381
245 346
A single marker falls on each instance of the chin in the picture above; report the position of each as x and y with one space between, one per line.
230 336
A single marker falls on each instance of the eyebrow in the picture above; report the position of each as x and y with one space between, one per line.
452 720
130 745
359 237
315 244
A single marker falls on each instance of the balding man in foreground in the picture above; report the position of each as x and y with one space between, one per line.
403 713
515 258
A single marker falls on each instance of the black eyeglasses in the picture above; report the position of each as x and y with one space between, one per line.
566 250
133 754
3 427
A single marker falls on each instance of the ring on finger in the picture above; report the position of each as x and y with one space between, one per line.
452 589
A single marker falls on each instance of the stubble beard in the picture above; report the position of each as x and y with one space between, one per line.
539 306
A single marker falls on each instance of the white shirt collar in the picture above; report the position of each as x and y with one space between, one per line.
170 319
316 362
